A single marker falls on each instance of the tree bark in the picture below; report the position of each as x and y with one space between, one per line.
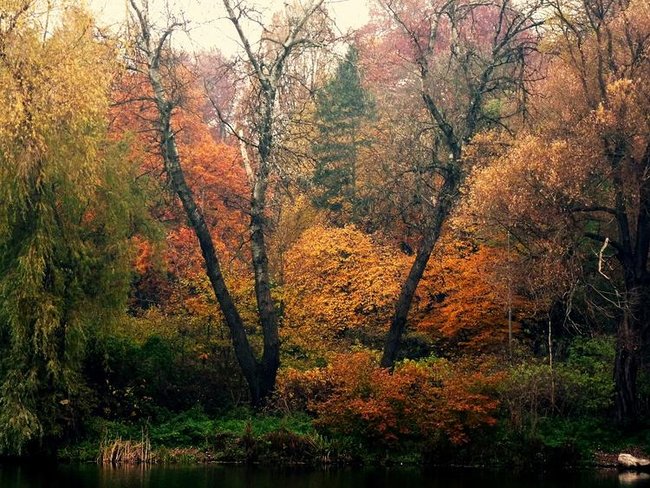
265 304
447 198
629 342
625 373
260 375
243 351
635 319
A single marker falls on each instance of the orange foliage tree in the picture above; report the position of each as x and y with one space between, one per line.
580 181
451 63
217 178
465 294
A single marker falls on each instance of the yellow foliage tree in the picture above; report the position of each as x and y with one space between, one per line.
337 280
64 231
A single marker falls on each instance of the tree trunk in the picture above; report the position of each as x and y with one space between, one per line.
447 198
398 323
625 373
628 350
260 375
633 256
257 383
270 364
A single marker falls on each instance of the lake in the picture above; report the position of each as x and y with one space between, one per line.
90 476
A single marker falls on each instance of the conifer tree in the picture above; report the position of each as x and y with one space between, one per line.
342 106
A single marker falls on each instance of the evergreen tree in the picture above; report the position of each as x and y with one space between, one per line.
342 106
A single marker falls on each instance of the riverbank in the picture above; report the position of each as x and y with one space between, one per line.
242 437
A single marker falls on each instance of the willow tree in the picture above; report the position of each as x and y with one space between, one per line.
64 223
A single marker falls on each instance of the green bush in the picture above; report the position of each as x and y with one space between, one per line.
580 386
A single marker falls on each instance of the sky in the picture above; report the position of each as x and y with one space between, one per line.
208 29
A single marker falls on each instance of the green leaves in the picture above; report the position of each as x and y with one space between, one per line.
342 107
66 216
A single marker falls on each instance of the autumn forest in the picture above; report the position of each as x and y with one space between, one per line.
424 239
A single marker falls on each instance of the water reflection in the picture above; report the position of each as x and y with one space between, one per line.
637 479
89 476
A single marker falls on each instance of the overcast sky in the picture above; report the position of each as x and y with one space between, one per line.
210 30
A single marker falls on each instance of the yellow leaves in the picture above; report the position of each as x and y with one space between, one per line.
54 93
624 115
338 279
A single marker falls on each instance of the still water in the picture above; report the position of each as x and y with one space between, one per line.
40 476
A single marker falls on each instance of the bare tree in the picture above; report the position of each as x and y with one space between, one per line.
464 55
268 68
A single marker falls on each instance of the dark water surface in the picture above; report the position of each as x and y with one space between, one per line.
89 476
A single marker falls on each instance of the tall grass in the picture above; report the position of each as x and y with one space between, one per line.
117 451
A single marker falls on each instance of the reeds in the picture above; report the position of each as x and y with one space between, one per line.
117 451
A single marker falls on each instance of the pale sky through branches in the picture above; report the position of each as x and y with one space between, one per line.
208 27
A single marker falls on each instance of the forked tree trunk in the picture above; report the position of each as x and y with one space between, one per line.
260 375
252 372
255 374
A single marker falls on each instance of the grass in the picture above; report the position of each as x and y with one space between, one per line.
242 436
192 436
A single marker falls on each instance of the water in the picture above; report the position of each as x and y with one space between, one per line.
89 476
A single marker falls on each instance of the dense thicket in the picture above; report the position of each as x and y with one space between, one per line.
67 214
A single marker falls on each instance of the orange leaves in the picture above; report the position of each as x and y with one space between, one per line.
338 279
426 400
144 252
339 283
464 296
213 171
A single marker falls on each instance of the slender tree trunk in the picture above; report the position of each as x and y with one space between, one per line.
243 351
398 323
268 368
625 373
260 375
629 342
265 305
447 198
